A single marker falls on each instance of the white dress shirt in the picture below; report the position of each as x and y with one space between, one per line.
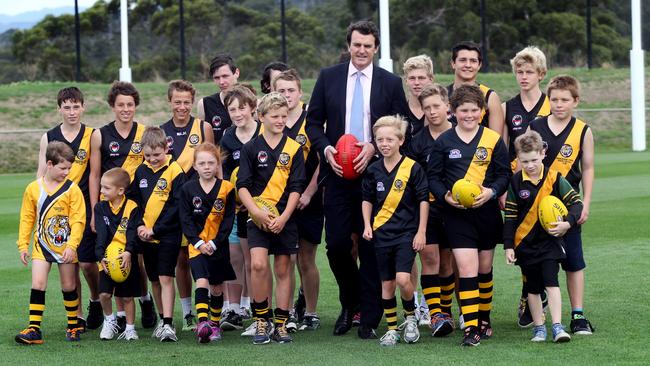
366 83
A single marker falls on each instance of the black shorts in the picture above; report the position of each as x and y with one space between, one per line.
160 259
129 288
541 275
216 267
241 218
575 260
86 248
436 232
285 243
478 228
310 222
393 259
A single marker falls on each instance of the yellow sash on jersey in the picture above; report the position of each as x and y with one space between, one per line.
545 109
160 193
119 238
186 157
83 157
214 219
135 157
278 182
482 157
530 219
484 111
570 150
395 194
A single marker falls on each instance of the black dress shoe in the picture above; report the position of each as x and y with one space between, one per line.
365 332
343 323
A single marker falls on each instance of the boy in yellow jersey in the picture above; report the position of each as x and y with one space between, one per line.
207 212
526 243
569 145
466 61
271 169
395 210
184 133
155 188
116 218
77 135
53 209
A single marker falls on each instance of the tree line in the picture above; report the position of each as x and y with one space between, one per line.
250 31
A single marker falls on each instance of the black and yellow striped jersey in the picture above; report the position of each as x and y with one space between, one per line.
485 113
395 198
484 161
563 151
57 219
518 118
231 146
206 216
119 152
80 145
299 134
181 142
117 226
522 230
156 192
272 174
216 114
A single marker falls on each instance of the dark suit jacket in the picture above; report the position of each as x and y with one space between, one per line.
326 111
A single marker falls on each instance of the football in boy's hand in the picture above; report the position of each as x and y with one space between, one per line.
267 206
551 209
114 265
347 151
465 191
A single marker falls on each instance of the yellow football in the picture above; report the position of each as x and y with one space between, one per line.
233 180
266 206
551 209
114 265
465 191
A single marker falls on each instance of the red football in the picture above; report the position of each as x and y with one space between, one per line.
347 151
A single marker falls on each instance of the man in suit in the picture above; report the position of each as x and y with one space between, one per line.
349 98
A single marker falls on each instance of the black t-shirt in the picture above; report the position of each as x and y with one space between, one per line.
216 114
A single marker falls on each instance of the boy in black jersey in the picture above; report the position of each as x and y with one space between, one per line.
436 256
77 135
116 218
569 145
526 243
395 209
224 73
309 216
271 169
271 70
184 133
466 61
207 212
418 73
118 145
155 187
474 152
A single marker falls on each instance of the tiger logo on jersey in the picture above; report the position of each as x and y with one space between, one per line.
517 119
124 222
197 202
481 153
284 158
194 139
161 184
216 121
136 147
81 156
301 139
399 185
57 230
566 150
219 205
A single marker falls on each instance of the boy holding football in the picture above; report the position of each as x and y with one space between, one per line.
56 206
395 209
570 151
156 185
115 222
272 170
526 243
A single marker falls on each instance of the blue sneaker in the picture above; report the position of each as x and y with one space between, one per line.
539 333
263 331
559 334
29 336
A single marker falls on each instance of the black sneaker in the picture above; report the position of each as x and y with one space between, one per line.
121 324
525 317
580 325
472 337
281 335
299 306
366 332
148 314
291 324
485 330
95 315
310 322
232 321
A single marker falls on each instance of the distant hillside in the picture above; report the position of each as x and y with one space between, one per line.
28 19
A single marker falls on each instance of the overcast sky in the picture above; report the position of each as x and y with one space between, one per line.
12 7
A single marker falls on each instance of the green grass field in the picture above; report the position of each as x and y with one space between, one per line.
616 249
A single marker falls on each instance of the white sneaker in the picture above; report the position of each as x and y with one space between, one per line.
423 318
411 333
109 330
251 330
168 334
391 338
158 329
129 335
